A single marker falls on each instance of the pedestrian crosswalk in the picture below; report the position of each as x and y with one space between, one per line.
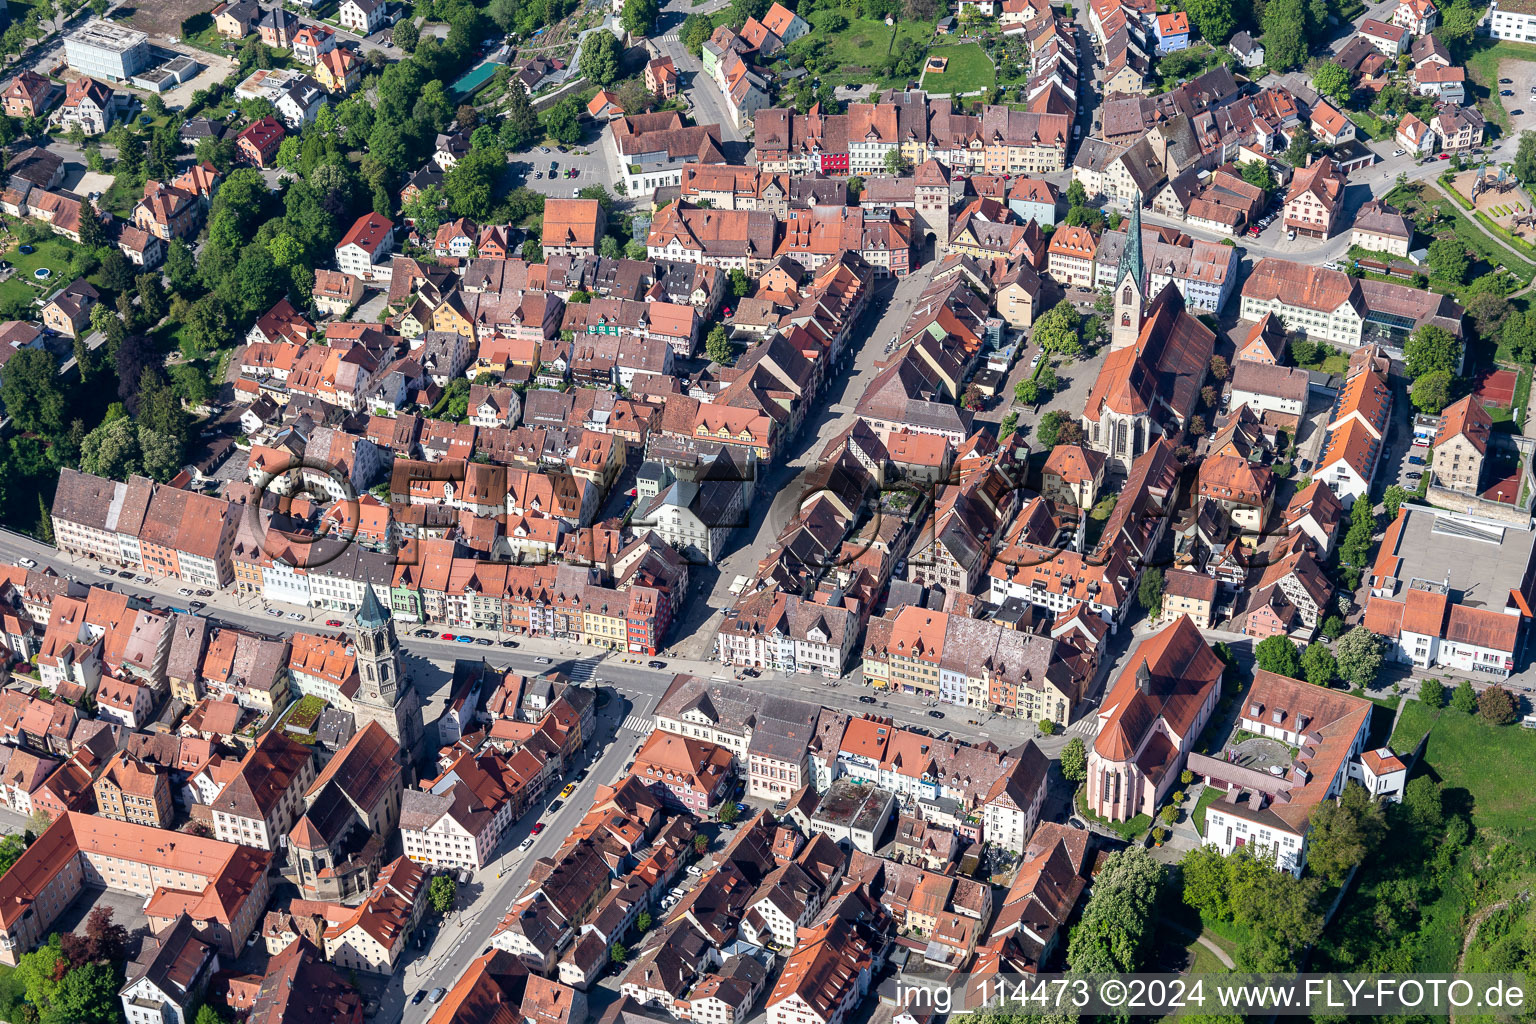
581 671
670 37
637 723
1088 725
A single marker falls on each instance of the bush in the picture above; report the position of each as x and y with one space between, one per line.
1432 693
1047 727
1497 706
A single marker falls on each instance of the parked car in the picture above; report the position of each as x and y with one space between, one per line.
183 591
935 714
538 827
1415 475
333 622
483 642
421 993
274 613
106 570
144 580
526 843
296 616
656 664
544 661
438 993
567 791
555 805
465 639
447 636
865 698
509 643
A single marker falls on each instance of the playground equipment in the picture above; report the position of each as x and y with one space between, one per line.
1503 183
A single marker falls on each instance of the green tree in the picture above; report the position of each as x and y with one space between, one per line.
1519 335
1285 34
1277 654
741 284
407 34
1048 430
1332 81
896 164
1115 931
1149 592
1058 330
563 121
1343 832
442 892
1432 392
1432 693
1496 706
425 210
181 266
1525 158
728 812
695 32
1464 698
1258 174
472 185
1300 148
639 20
31 392
520 126
1359 655
1448 259
1074 760
1457 24
718 347
643 922
111 450
1392 499
1488 310
1318 664
599 62
1430 349
206 1014
618 952
1215 20
92 234
532 251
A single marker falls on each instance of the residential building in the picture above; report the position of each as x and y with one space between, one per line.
169 977
1381 228
365 17
362 249
132 791
573 227
1314 199
688 773
1461 446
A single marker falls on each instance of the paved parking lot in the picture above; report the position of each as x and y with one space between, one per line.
532 168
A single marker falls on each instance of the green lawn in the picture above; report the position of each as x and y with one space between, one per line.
970 70
53 253
1333 362
1128 830
1208 796
859 49
1494 765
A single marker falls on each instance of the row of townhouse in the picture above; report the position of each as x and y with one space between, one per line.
980 664
568 601
162 530
999 140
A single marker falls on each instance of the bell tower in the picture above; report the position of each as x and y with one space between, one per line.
382 695
1130 285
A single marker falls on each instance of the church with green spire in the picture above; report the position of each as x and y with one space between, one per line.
1130 285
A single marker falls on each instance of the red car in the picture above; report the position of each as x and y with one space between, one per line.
1444 156
447 636
538 827
333 622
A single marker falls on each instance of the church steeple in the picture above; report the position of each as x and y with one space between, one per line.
1130 285
1132 263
